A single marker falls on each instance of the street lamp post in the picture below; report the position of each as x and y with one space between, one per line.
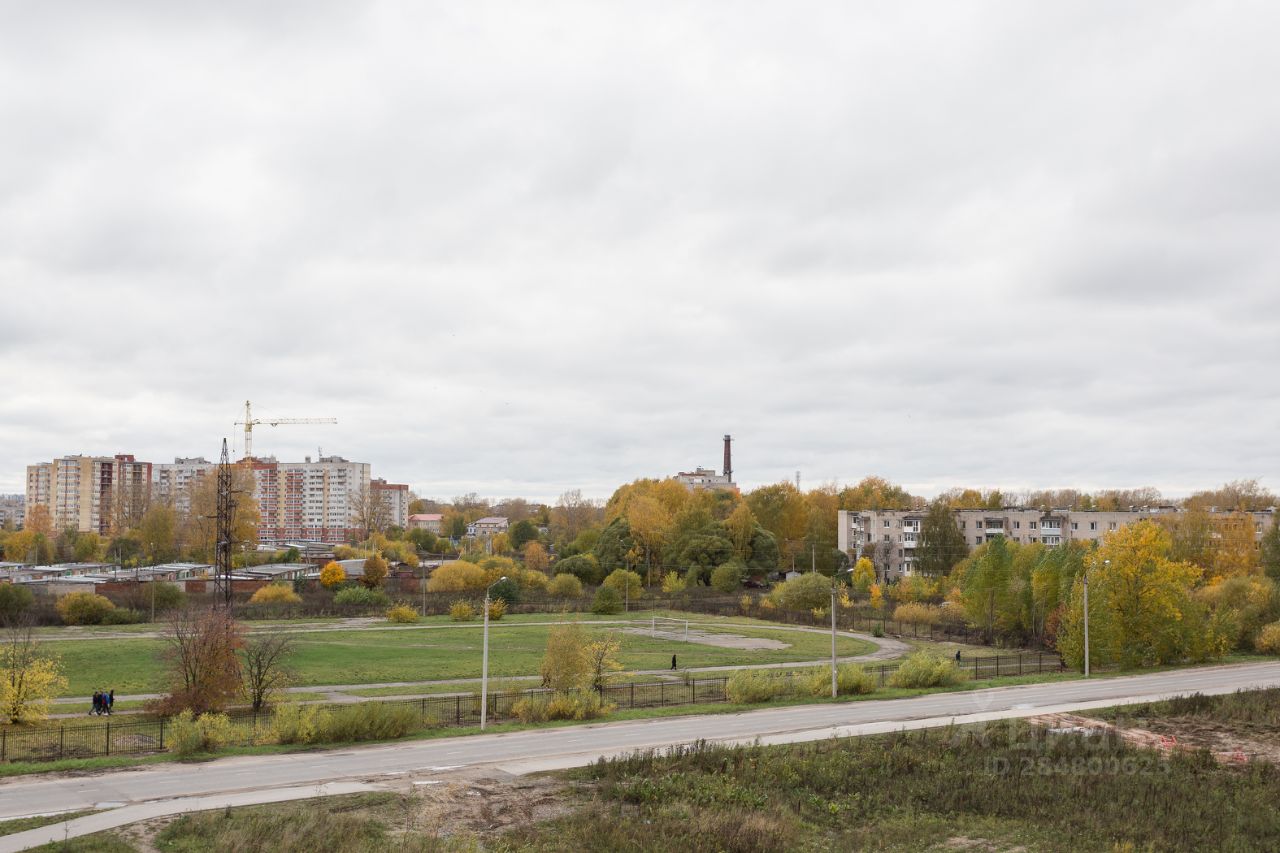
834 689
1086 623
484 665
1086 617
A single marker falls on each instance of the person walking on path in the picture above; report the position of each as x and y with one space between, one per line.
97 701
111 700
673 662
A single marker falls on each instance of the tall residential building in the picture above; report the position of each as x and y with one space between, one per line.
890 537
395 497
11 510
309 500
90 493
173 482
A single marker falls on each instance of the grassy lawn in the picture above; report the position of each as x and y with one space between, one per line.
420 654
22 824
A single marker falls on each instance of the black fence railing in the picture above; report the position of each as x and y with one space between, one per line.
50 743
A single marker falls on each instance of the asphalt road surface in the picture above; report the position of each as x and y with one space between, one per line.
542 749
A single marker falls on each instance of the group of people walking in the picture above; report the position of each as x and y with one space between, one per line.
102 702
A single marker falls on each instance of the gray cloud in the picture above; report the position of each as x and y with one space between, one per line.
520 250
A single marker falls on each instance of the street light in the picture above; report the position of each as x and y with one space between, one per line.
484 666
1086 616
833 629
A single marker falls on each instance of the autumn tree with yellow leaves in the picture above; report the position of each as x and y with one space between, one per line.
1142 611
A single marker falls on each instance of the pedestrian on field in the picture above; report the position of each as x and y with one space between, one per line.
111 700
957 656
673 661
97 698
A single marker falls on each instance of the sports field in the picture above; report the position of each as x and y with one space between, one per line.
378 653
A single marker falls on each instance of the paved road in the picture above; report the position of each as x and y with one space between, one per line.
533 750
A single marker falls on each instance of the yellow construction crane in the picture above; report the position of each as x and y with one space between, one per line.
250 422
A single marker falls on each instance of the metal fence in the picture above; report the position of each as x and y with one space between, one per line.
51 743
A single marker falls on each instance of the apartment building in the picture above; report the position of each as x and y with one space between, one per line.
12 511
173 482
92 494
395 497
890 537
317 500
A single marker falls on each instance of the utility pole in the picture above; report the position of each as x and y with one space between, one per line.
226 513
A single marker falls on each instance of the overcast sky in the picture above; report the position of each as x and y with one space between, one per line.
519 248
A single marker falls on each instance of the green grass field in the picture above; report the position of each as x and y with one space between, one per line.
430 652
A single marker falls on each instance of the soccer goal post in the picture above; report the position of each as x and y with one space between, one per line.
668 625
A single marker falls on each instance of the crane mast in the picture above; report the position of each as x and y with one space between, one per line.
250 422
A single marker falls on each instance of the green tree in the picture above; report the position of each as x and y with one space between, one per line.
763 551
1141 608
985 592
941 544
582 566
522 533
375 571
614 547
727 577
1271 550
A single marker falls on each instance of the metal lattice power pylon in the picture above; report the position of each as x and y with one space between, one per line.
225 516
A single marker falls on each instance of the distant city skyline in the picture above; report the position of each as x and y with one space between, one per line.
520 249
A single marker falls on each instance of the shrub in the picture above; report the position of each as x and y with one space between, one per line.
276 593
403 614
580 705
925 670
672 582
189 734
806 592
851 680
367 721
914 613
122 616
497 609
607 601
292 724
582 566
506 590
1268 641
303 724
746 686
744 603
877 630
375 571
457 576
83 608
531 578
461 611
727 578
360 596
14 599
332 575
565 586
626 582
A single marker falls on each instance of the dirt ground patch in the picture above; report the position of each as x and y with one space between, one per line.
1227 743
724 641
467 807
483 806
